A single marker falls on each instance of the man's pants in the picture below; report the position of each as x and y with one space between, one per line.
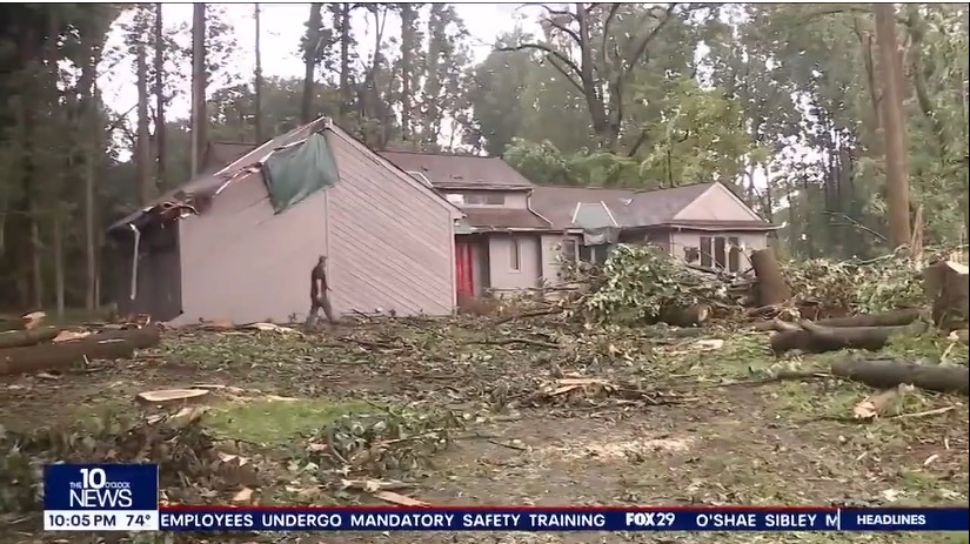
323 303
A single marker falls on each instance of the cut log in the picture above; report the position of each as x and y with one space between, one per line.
886 319
947 287
690 316
165 396
772 288
139 338
27 337
107 345
887 373
817 339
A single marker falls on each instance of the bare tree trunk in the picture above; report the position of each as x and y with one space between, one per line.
199 117
89 136
90 253
897 182
58 263
408 39
159 98
346 97
146 185
310 61
258 82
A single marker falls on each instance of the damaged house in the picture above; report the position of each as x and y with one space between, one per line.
704 224
515 235
238 242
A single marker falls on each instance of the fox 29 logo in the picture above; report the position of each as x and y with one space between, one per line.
100 497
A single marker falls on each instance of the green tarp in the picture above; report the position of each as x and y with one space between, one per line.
297 172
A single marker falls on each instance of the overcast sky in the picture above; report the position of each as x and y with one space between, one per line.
283 26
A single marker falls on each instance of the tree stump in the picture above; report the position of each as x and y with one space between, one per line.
772 288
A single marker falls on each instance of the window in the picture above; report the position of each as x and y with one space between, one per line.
515 254
706 253
595 254
734 254
485 199
721 253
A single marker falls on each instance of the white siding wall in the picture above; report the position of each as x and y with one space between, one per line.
717 204
503 277
242 262
389 246
551 249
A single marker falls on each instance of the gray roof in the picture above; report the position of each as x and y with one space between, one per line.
460 171
600 207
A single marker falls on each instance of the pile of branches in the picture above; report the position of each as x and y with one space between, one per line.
850 287
642 284
28 345
182 449
386 442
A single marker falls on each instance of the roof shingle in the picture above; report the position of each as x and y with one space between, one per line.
503 218
460 171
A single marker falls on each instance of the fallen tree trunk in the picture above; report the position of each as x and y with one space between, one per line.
886 319
813 338
140 338
29 337
887 373
107 345
772 288
689 316
11 323
948 289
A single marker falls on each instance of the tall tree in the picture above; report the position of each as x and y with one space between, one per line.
341 15
160 146
586 47
199 77
311 48
143 157
258 81
897 182
409 42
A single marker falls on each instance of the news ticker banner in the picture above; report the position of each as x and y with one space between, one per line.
125 498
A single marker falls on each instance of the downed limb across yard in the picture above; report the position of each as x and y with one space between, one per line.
814 338
106 345
27 337
887 373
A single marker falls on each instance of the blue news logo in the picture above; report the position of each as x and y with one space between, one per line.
95 491
101 487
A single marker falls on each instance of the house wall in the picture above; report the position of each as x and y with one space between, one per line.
501 274
389 246
551 250
680 240
717 204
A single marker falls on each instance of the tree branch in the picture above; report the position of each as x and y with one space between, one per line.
636 52
554 12
552 53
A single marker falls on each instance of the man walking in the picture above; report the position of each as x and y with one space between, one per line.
319 300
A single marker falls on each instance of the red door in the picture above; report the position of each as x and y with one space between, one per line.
463 268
